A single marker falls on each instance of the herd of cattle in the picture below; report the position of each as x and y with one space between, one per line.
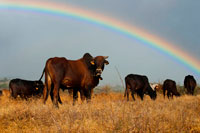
83 76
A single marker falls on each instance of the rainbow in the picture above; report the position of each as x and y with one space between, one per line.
109 23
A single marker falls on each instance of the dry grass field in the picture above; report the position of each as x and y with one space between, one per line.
108 112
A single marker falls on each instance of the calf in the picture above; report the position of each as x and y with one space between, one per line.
170 86
25 88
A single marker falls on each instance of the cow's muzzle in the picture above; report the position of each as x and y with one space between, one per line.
98 72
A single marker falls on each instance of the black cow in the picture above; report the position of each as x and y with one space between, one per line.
80 75
190 84
170 86
138 84
0 92
25 88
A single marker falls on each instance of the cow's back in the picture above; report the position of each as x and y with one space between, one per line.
169 84
68 72
189 81
135 80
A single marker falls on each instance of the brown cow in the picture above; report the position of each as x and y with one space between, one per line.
82 75
170 86
190 84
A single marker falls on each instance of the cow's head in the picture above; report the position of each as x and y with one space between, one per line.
39 86
98 63
151 92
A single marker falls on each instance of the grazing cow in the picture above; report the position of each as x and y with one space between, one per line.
0 92
190 84
138 84
170 86
25 88
80 75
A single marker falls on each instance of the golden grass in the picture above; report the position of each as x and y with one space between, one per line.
106 113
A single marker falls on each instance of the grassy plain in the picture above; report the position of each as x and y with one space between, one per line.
107 112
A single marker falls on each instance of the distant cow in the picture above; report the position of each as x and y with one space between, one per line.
170 86
25 88
0 92
190 84
138 84
80 75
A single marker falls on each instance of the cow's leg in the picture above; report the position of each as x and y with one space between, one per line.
192 91
132 94
25 97
188 91
82 95
127 90
164 92
47 87
75 95
142 96
56 94
168 94
51 92
59 100
87 93
126 93
14 94
52 97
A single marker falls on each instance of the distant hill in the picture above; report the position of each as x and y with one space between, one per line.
4 83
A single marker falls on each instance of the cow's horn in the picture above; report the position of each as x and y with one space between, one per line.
105 57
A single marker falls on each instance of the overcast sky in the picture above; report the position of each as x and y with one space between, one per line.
27 40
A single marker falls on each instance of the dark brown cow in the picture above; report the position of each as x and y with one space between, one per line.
138 84
80 75
190 84
170 86
25 88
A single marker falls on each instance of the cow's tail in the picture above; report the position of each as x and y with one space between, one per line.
42 74
125 93
10 89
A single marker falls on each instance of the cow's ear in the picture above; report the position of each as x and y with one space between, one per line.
105 57
106 62
92 62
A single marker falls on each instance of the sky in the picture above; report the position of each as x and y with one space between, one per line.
27 39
